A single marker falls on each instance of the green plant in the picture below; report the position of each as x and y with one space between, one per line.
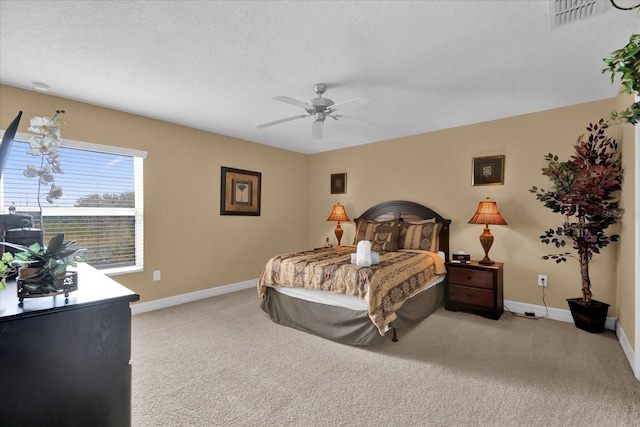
585 192
6 269
50 263
626 62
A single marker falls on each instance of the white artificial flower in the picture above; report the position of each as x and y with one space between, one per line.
44 126
31 171
42 145
45 174
46 143
54 161
54 193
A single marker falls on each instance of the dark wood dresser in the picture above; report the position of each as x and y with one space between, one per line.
67 363
475 288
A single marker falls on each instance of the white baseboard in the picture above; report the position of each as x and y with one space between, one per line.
626 347
143 307
553 313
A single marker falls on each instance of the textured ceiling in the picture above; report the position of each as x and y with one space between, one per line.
216 65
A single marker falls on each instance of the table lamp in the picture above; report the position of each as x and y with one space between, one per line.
338 214
487 213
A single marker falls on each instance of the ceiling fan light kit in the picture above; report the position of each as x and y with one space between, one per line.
320 108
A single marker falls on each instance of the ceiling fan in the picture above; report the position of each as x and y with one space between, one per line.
320 108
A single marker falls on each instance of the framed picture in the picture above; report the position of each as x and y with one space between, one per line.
488 170
338 183
239 192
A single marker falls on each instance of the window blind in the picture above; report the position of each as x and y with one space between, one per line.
102 203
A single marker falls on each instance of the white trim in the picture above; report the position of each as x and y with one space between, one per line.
143 307
554 313
139 211
625 344
116 271
513 306
636 364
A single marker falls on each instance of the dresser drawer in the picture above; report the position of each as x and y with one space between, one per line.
470 277
467 295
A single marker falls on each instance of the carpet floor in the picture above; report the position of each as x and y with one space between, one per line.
222 362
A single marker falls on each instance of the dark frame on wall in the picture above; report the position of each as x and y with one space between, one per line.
488 170
338 183
240 192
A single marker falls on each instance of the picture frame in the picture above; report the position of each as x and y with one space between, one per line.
338 183
488 170
240 192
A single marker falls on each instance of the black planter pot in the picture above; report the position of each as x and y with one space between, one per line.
588 317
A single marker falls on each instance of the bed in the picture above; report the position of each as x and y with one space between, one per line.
323 293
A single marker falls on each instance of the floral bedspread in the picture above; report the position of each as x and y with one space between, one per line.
385 286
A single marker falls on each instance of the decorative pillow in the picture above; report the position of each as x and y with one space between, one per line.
383 235
385 238
365 229
424 236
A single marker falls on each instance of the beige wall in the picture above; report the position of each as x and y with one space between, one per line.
628 257
435 169
185 236
196 248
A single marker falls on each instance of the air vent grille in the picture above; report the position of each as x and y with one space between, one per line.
562 12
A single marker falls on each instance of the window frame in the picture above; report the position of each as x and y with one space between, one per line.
137 211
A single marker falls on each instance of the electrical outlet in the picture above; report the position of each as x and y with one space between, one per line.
542 280
156 275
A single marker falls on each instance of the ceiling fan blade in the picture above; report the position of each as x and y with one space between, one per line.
277 122
292 101
342 116
344 102
317 129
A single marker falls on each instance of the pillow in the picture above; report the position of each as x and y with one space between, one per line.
385 238
382 235
425 236
365 229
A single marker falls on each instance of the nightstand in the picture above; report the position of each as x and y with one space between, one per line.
475 288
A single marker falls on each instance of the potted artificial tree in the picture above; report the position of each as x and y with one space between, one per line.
626 62
584 191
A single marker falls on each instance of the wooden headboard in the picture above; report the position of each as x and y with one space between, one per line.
401 210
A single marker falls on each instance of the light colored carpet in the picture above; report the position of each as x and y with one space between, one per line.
222 362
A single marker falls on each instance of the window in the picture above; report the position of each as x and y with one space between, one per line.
102 203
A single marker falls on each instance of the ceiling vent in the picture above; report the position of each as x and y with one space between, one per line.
562 12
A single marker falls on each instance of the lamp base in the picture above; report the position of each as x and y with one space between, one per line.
339 233
486 240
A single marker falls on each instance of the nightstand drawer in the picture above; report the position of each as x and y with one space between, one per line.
467 295
471 277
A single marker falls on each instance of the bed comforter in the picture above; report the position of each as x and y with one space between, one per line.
384 287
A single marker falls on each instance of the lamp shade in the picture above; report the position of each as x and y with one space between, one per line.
338 213
487 213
